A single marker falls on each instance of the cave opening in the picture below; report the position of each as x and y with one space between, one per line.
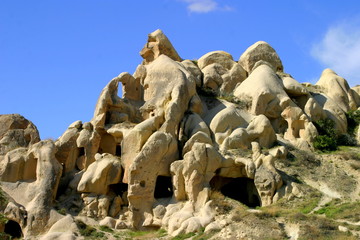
118 150
13 229
163 187
240 189
81 151
119 188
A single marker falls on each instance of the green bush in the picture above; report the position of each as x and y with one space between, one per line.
346 140
327 139
88 231
353 120
325 143
106 229
326 127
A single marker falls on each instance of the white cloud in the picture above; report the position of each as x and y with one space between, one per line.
205 6
340 50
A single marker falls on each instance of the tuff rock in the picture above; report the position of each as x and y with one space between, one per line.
153 157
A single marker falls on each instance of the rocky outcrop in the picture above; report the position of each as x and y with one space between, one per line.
182 131
16 131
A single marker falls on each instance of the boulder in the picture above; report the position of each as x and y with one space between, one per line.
68 152
16 131
158 44
106 170
264 90
221 72
16 166
293 87
337 88
194 70
333 111
260 51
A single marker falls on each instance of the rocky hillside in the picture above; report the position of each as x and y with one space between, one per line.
203 149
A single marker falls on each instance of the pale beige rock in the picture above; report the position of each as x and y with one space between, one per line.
161 129
260 51
333 111
100 174
135 140
168 88
132 89
293 87
16 131
220 57
313 110
193 127
265 91
91 204
66 224
108 222
193 174
238 139
89 140
158 44
194 70
225 122
68 151
299 125
109 103
337 88
59 236
221 72
356 89
212 76
161 148
103 206
267 180
187 219
16 166
261 131
115 207
48 173
236 167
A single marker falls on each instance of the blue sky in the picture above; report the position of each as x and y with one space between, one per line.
56 56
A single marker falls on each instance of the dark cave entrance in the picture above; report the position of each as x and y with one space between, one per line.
81 151
163 187
118 150
13 229
240 189
119 188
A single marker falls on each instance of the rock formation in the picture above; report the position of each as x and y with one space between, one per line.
181 131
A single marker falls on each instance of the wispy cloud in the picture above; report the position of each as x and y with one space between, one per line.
205 6
339 50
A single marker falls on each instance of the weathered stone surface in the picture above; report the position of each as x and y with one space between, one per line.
265 91
100 174
221 72
68 152
260 51
16 131
157 45
158 156
337 88
293 87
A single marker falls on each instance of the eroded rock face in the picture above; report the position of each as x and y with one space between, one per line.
153 157
260 51
16 131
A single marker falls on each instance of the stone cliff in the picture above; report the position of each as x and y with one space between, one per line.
182 132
